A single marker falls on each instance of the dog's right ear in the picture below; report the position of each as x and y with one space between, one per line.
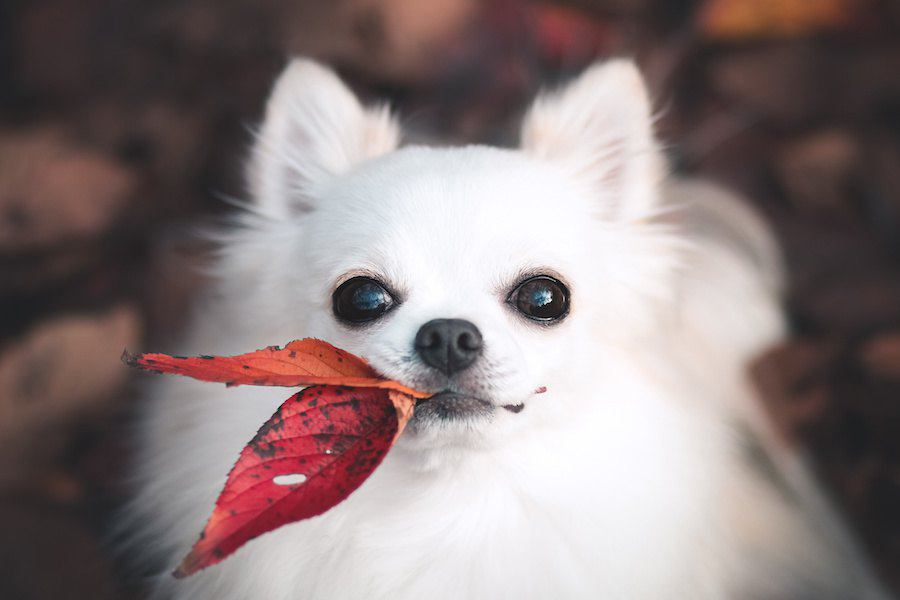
600 128
314 129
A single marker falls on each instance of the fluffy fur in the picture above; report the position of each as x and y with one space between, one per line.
645 471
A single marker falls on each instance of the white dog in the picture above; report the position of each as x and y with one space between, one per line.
572 263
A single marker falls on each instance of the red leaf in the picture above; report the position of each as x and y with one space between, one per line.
330 438
301 362
319 446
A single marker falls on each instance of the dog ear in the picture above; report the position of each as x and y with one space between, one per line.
314 128
599 128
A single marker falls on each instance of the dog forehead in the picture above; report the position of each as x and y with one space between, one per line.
466 198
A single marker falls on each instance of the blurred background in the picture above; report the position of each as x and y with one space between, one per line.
124 124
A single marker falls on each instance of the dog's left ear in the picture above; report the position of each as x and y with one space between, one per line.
599 128
314 129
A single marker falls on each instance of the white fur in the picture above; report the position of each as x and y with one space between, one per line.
628 478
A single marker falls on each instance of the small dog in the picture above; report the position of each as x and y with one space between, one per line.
571 265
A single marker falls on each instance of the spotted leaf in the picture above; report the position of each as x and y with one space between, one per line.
318 447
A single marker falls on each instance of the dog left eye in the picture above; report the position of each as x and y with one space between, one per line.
541 298
361 299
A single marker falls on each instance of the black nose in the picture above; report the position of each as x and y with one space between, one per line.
448 345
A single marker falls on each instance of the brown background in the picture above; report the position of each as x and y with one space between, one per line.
125 122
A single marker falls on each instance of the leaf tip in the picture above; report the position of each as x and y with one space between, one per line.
180 572
130 359
188 566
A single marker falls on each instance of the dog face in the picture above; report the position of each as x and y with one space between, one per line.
490 277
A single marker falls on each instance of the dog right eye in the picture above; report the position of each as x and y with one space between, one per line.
541 298
361 299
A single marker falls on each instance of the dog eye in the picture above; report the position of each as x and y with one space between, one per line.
541 298
361 299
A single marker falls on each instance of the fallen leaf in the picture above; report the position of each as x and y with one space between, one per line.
301 362
318 447
743 19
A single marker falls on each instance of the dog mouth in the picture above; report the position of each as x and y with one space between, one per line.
447 405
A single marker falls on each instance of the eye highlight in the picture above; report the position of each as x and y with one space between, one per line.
361 299
541 298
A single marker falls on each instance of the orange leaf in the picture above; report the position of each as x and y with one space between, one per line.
301 362
742 19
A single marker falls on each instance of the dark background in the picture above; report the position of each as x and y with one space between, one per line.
124 123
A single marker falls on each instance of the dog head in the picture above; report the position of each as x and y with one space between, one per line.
485 275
